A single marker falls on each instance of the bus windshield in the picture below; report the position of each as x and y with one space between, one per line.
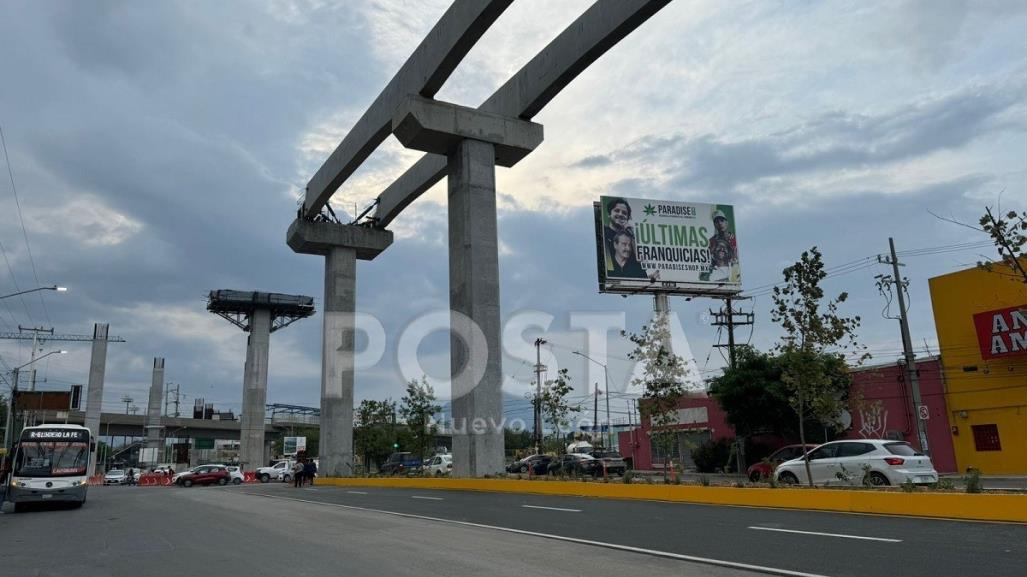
51 459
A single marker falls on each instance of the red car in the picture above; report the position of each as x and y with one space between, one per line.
204 475
765 468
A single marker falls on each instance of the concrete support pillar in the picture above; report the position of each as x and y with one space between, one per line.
336 441
476 362
341 245
94 396
254 393
153 406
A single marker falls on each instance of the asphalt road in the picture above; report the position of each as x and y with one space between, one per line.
831 544
200 531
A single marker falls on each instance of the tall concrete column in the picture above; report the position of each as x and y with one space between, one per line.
254 393
153 406
336 441
476 363
94 397
474 143
341 245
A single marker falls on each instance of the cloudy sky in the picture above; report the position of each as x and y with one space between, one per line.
157 151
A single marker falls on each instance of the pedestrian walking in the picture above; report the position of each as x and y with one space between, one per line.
309 469
297 474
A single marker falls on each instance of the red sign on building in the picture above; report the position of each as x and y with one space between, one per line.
1003 332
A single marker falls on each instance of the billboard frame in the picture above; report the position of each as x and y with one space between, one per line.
634 287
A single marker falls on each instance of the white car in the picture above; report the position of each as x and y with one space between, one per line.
280 471
439 465
115 477
236 473
861 462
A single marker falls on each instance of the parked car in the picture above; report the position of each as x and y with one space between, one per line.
614 463
400 463
236 474
867 461
203 475
537 464
279 471
439 465
576 464
765 468
115 477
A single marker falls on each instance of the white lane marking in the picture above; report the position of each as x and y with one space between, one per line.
615 546
357 492
426 498
551 508
860 537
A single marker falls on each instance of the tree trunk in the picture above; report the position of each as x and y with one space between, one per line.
802 439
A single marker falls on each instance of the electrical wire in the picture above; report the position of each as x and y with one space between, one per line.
24 232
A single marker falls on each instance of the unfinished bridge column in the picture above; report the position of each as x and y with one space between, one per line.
473 142
341 245
254 391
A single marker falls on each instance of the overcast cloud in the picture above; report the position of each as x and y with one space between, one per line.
158 149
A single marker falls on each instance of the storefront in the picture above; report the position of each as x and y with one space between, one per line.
981 320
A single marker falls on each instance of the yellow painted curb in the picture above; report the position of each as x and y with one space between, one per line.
975 507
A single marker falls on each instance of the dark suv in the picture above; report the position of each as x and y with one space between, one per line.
576 464
400 464
537 464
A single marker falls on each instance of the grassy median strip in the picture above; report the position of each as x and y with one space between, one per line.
974 507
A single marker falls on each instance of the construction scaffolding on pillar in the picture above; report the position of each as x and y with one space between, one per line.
259 314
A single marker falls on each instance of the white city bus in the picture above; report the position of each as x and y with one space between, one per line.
49 464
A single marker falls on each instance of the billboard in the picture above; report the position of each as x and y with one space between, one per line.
291 445
662 246
1003 332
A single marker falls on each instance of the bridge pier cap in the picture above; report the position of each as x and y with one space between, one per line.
439 127
307 237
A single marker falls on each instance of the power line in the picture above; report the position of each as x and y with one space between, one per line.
24 232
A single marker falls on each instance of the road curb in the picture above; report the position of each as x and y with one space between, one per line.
971 507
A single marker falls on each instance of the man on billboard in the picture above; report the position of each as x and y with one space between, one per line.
618 219
625 264
723 249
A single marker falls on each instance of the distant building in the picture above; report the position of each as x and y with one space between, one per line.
881 407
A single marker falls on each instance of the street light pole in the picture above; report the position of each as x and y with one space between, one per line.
606 376
59 289
9 431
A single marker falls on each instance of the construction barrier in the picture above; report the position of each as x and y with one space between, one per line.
978 507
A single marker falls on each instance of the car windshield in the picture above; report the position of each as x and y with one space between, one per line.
115 473
43 459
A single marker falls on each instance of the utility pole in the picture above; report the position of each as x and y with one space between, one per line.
172 388
128 401
539 368
595 412
726 318
901 284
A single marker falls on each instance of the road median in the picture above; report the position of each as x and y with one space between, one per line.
975 507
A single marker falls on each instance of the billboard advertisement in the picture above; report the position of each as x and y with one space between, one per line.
291 445
663 246
1003 332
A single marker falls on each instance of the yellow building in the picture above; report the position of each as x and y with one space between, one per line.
981 319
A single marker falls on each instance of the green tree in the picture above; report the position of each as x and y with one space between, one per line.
374 436
756 400
418 407
816 338
555 407
662 382
1009 238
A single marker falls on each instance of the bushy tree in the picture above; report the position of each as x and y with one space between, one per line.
662 382
757 401
816 338
374 436
417 409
